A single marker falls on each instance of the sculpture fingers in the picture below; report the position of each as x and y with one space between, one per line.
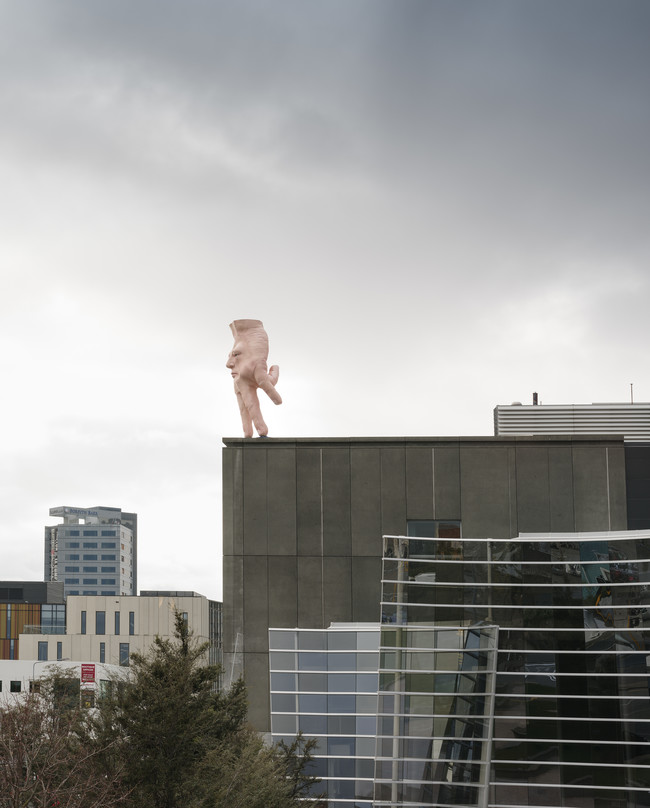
274 374
252 404
265 381
246 420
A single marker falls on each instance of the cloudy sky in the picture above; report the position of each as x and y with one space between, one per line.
434 206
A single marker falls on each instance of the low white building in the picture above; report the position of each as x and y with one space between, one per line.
17 675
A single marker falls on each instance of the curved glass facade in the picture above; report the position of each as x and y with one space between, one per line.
515 673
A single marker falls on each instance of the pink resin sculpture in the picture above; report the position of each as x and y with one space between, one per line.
247 364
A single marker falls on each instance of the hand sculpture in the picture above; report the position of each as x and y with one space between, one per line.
247 364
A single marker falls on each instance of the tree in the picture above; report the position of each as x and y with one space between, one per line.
48 756
183 744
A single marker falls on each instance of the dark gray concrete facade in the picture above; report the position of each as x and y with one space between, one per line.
303 519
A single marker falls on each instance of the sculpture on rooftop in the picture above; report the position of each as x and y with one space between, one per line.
247 365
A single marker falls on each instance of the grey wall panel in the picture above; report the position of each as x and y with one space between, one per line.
255 501
257 681
337 590
366 589
365 501
283 592
256 605
310 592
485 487
533 503
560 485
393 491
308 501
281 492
233 599
617 487
336 501
446 482
228 498
419 482
512 491
590 484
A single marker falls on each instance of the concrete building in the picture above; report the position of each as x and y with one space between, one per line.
304 519
107 630
94 551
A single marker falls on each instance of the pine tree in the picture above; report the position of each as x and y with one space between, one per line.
183 744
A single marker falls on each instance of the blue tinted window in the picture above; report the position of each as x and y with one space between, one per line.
124 654
283 681
42 651
340 703
108 533
90 533
90 544
313 661
108 545
313 724
73 544
313 703
108 569
71 569
341 681
73 533
90 569
367 682
342 662
90 557
108 557
100 622
108 581
131 623
90 582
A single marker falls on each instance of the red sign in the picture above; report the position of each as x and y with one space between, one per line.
88 673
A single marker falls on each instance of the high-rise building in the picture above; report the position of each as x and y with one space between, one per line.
93 551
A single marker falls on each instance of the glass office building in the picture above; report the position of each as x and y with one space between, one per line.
324 683
515 673
504 673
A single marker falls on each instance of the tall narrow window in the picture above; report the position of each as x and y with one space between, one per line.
83 622
117 623
102 652
124 654
59 650
42 651
100 622
131 623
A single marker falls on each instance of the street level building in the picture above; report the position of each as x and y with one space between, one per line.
94 551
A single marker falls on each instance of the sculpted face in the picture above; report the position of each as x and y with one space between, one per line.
241 361
247 366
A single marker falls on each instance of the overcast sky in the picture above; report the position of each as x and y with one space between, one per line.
435 207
